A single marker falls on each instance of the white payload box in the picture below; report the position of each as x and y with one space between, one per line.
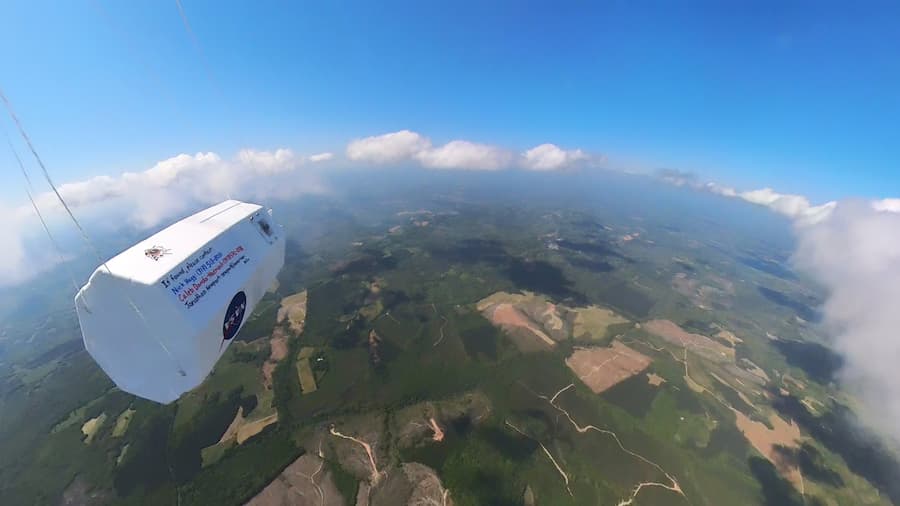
168 307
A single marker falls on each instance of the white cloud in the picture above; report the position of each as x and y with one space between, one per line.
464 155
408 146
853 249
268 162
321 157
887 205
393 147
183 182
796 207
725 191
551 157
855 253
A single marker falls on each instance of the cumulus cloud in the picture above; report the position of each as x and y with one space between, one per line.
855 253
393 147
464 155
796 207
411 147
890 205
181 183
551 157
268 162
853 249
725 191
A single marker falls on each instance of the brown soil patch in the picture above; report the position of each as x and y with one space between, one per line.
267 369
307 481
438 433
727 335
91 427
534 323
509 318
655 379
765 441
293 308
601 368
279 346
696 343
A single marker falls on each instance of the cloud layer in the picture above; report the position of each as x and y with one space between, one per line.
795 207
177 184
410 147
853 249
185 182
855 253
169 188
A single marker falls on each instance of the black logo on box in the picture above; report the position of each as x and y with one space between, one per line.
234 316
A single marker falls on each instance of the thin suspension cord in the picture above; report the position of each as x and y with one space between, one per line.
84 233
194 40
40 162
29 189
209 73
135 55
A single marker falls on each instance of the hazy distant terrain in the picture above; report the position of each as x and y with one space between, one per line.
471 340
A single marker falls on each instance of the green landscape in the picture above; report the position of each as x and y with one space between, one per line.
466 343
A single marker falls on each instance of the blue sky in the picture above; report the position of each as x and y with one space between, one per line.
802 97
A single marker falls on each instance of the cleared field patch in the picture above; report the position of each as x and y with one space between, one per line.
278 344
307 480
238 432
232 430
293 309
122 422
592 322
534 323
515 323
91 427
655 379
305 372
766 441
728 336
250 429
696 343
601 368
754 369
